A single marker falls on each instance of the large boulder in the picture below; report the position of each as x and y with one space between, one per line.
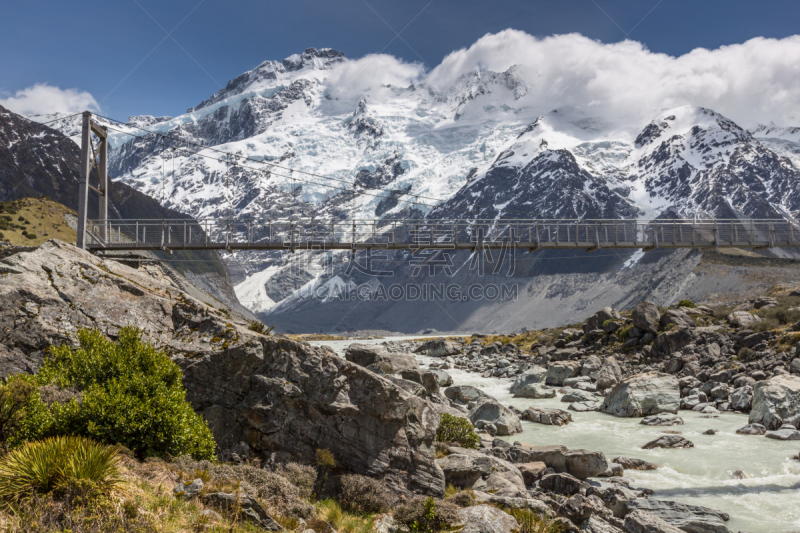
489 411
377 359
558 372
687 518
486 519
668 441
742 319
581 464
677 317
597 320
533 376
464 394
742 399
609 374
776 401
646 317
438 348
632 463
643 394
282 396
465 468
535 391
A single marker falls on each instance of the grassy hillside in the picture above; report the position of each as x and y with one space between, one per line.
32 221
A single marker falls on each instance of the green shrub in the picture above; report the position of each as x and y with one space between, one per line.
457 430
669 326
625 333
687 303
463 498
131 394
426 515
259 327
531 522
30 236
362 495
23 416
58 464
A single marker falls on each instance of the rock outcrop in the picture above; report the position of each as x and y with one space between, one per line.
776 401
489 411
643 394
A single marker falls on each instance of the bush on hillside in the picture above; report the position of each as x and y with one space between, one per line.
301 476
362 494
130 393
687 303
58 464
426 515
457 430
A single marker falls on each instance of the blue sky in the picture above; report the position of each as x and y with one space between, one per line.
118 51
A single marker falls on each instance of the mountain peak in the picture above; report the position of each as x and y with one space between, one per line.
321 59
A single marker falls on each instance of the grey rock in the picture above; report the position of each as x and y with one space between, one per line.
646 317
584 407
784 434
663 419
531 472
597 320
668 441
445 379
581 464
677 317
490 411
464 394
632 463
578 396
742 399
591 365
752 429
643 394
558 372
776 401
533 376
536 391
486 519
596 525
742 319
609 374
188 490
550 417
561 483
644 522
438 348
687 518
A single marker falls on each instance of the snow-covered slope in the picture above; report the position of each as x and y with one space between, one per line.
291 138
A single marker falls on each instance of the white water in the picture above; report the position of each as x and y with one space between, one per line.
765 501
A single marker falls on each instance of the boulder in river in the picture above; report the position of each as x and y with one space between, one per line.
549 417
643 394
668 441
536 391
464 394
445 379
742 399
438 348
533 376
584 407
579 463
663 419
576 395
646 317
378 359
632 463
784 434
752 429
776 401
687 518
490 411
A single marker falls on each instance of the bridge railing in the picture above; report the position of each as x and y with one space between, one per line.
423 233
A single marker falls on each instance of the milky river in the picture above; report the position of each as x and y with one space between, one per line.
765 500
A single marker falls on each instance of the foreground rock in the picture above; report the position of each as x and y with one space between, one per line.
688 518
471 469
752 429
486 519
377 359
644 522
246 506
776 401
666 419
643 394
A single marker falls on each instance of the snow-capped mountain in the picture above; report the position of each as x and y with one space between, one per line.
291 138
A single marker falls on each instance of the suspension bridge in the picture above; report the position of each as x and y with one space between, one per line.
312 234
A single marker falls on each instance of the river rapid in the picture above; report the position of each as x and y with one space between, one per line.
765 500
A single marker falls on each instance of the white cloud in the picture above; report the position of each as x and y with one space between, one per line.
354 78
43 98
755 81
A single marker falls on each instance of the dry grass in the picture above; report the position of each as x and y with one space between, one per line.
42 219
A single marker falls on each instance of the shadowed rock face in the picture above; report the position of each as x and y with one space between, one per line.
280 395
273 393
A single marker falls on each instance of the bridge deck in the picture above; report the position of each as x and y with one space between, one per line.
230 234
